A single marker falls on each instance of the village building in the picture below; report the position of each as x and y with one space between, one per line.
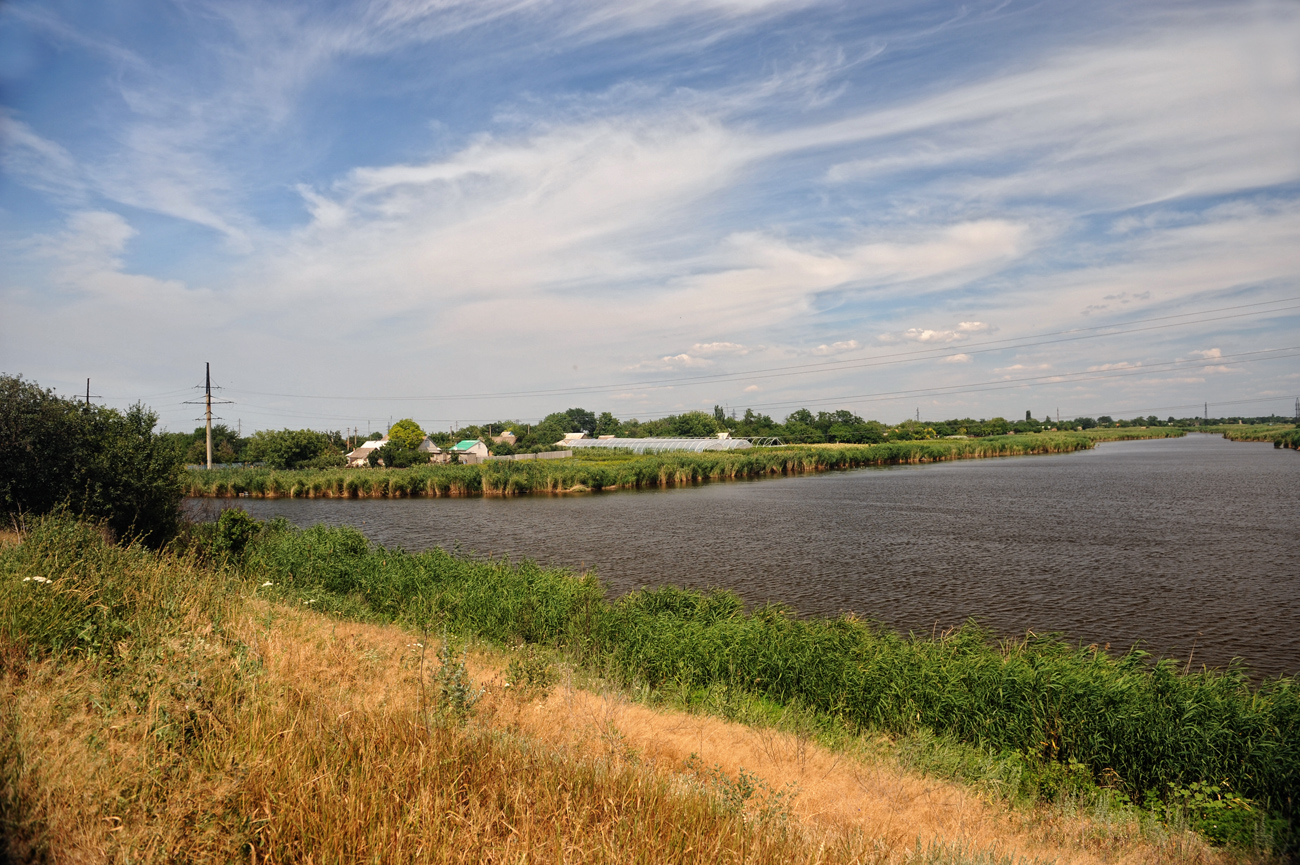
469 451
360 457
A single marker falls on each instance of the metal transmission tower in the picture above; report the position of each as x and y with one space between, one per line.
207 405
1297 409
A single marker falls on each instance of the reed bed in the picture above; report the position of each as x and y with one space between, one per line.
1287 439
576 474
1147 729
1253 432
1114 434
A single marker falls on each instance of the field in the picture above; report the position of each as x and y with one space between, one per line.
198 705
608 471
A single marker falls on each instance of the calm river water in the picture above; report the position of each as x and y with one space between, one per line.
1191 546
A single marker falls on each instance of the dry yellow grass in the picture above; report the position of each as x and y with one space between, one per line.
289 737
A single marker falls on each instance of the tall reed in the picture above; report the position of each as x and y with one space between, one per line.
599 472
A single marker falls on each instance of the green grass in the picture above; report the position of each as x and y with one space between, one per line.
1250 432
602 471
1145 728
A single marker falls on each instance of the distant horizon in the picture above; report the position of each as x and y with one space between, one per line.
460 211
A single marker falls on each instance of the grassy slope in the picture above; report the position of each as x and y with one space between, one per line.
611 471
153 709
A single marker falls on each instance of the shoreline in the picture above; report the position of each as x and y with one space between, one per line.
577 475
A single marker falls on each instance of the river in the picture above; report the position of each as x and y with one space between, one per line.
1190 546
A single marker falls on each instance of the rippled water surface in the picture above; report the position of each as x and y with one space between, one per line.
1185 544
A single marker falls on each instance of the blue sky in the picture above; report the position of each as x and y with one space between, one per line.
466 211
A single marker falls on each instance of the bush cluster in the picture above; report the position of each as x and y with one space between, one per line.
92 461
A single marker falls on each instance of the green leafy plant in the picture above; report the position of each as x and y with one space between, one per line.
455 688
530 674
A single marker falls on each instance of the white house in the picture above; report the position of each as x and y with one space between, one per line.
361 456
469 451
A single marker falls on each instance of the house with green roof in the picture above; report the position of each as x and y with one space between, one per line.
469 450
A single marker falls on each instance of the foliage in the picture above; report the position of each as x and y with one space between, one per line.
93 461
396 456
456 690
406 434
288 449
600 470
529 673
235 528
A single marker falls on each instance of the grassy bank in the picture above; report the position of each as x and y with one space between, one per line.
159 707
1115 434
1249 432
609 471
1148 730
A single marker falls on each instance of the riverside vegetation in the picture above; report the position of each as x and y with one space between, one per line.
182 705
597 470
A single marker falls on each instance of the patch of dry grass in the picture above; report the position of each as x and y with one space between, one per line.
233 728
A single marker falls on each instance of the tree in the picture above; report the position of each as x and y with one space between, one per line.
693 424
289 449
607 425
406 433
581 419
97 462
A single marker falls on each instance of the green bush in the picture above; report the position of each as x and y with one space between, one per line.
92 461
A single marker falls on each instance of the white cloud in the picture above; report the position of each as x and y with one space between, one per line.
87 260
719 348
1208 108
1208 354
957 358
964 330
1102 367
40 163
837 347
752 388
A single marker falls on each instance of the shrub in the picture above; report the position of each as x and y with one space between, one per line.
93 461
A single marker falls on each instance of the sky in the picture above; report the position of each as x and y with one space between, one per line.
471 210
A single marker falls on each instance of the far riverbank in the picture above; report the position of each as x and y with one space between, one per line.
597 471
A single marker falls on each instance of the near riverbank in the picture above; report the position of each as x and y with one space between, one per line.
268 694
595 471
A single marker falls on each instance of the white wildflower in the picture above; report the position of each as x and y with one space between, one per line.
267 583
36 580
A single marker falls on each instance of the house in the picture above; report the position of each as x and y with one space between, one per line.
469 451
506 437
361 456
571 437
428 447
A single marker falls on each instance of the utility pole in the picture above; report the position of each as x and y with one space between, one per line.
1207 414
207 411
89 394
207 407
1297 409
918 414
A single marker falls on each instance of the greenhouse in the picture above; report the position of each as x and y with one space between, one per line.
654 445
